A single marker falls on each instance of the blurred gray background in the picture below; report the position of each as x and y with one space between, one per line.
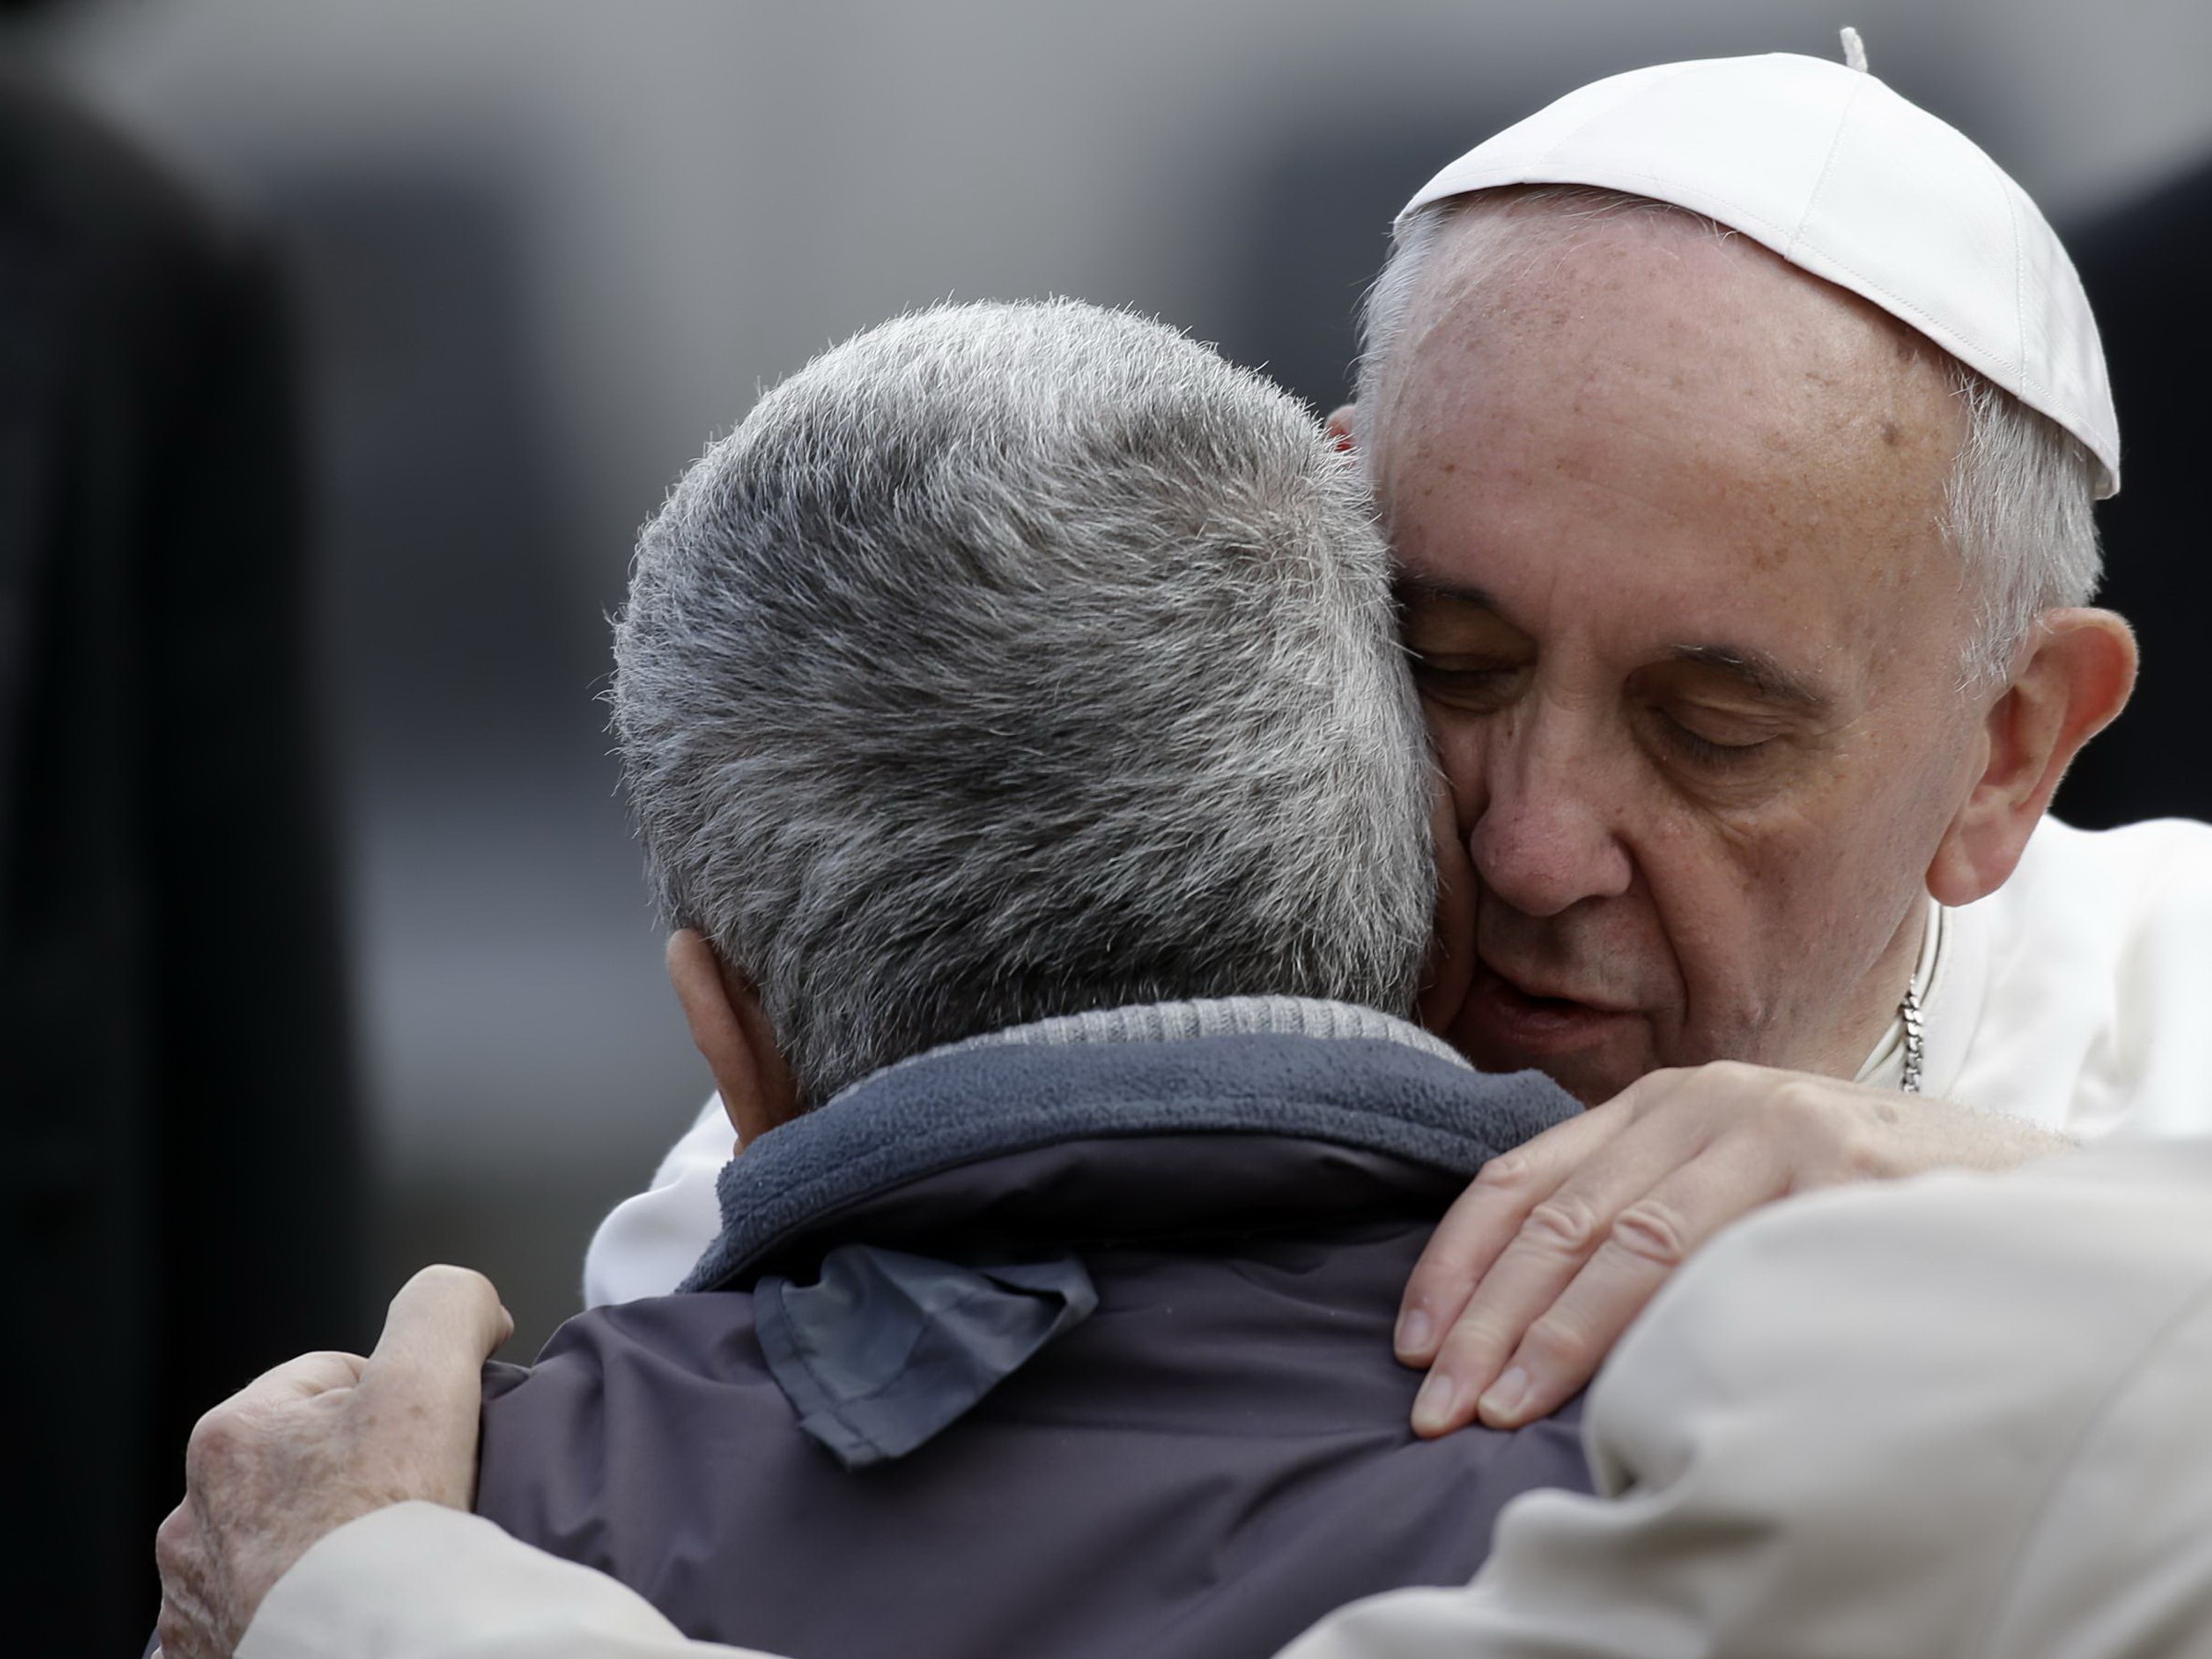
543 248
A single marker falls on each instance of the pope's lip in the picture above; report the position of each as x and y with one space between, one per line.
1532 1019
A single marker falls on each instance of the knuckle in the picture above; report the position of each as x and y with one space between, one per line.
1823 1110
1836 1132
1861 1151
1560 1347
1800 1097
1508 1172
1447 1262
448 1276
1564 1223
1477 1342
215 1439
440 1280
1654 1232
170 1540
1722 1078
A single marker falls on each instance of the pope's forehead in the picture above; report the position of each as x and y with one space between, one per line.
1644 410
1659 292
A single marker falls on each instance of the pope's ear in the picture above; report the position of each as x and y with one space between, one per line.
2075 673
1340 427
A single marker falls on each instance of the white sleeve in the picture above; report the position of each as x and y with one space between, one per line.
1955 1415
647 1243
421 1581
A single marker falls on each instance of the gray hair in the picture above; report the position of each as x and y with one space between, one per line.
1015 660
2017 506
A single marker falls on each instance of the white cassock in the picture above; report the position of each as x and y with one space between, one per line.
2078 996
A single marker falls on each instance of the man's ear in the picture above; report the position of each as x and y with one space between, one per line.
2078 668
1340 427
729 1029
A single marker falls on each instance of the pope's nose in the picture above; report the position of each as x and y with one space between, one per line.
1544 840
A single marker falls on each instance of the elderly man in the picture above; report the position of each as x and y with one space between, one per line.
1016 728
1736 425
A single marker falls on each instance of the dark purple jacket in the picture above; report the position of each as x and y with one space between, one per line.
1032 1352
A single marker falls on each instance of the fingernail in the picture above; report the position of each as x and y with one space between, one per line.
1506 1395
1432 1406
1413 1330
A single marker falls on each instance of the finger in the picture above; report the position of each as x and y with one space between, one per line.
185 1625
441 1327
1556 1237
173 1540
1484 1221
177 1556
310 1374
426 1375
1643 1247
1536 1265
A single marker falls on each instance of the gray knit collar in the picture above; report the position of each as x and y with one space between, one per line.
1201 1017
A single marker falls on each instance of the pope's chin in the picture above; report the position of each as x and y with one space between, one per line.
1593 1053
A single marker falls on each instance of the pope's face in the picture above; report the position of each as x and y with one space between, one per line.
1689 640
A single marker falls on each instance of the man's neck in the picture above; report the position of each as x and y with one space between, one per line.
1275 1067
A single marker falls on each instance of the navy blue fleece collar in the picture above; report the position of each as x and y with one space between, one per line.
965 1105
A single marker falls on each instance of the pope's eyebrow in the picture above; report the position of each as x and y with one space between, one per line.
1758 672
1409 587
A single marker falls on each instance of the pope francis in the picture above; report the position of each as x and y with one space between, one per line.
1736 425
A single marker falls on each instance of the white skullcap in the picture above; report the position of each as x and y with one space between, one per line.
1836 173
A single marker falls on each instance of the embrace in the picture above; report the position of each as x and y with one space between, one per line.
1240 955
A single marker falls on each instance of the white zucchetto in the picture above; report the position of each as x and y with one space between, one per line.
1839 174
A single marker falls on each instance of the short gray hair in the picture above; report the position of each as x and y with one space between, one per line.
1014 660
2018 505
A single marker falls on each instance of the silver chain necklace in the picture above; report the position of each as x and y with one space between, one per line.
1915 1049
